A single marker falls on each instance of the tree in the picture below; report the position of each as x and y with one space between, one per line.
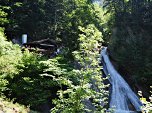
58 20
89 85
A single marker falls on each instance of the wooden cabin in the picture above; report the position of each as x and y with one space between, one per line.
46 47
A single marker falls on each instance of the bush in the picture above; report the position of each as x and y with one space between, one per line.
147 105
7 106
28 87
20 75
89 85
10 57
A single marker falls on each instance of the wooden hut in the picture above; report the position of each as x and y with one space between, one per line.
46 46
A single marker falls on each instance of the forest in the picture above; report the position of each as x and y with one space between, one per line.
70 78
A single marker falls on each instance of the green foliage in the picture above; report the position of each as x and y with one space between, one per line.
90 72
79 13
22 74
8 106
147 105
89 82
3 82
8 64
20 77
58 20
3 15
28 86
30 79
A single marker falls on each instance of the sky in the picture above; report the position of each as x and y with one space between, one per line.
98 1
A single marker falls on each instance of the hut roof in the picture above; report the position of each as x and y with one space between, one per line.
45 43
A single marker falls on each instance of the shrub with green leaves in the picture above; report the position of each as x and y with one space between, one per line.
147 104
89 87
20 77
7 106
28 87
10 57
